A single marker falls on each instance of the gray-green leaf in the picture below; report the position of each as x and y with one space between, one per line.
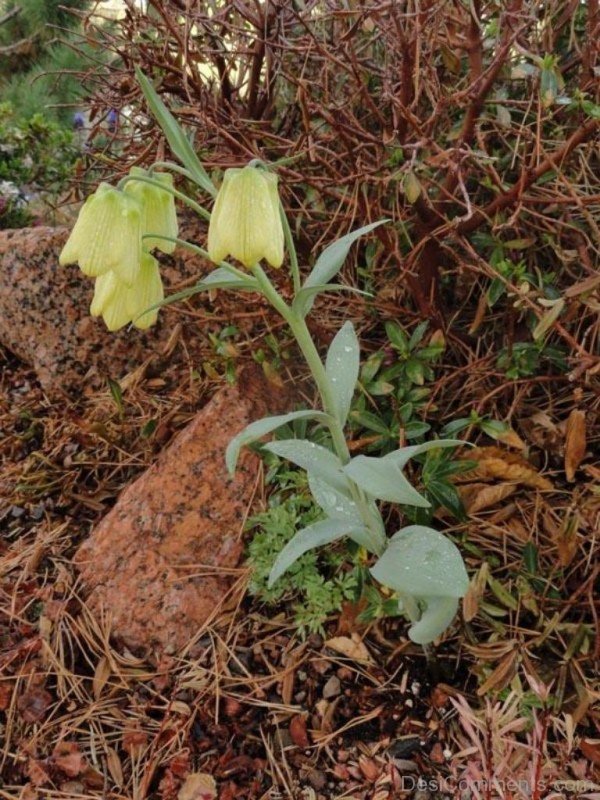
313 458
178 141
332 258
384 480
262 427
342 366
421 562
316 535
404 454
437 616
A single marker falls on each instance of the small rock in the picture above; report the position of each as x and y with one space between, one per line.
404 746
332 688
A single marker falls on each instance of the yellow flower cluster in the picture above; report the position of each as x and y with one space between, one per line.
116 229
107 243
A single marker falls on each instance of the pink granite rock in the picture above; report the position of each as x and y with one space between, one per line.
154 565
44 313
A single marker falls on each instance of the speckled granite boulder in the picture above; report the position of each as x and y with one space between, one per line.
157 565
44 313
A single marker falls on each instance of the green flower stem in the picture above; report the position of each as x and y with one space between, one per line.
171 166
193 248
369 515
202 212
291 247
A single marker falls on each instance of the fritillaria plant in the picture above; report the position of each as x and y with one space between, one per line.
111 241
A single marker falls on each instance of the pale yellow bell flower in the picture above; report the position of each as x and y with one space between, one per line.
119 304
245 222
107 235
158 209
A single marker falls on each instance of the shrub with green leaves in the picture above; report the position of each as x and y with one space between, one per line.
37 158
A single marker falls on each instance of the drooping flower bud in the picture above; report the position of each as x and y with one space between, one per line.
245 221
119 304
107 235
158 208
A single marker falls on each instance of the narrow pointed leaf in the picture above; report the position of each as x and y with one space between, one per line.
332 258
401 457
313 458
178 141
261 428
384 480
316 535
342 366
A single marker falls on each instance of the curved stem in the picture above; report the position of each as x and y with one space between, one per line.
179 195
173 167
289 241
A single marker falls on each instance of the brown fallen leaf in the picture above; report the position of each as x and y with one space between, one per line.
198 786
591 750
566 540
494 462
33 704
511 438
101 676
68 758
37 772
501 676
351 647
478 496
298 732
575 443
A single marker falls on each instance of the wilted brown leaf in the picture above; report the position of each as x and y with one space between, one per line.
575 443
33 704
6 690
493 462
69 759
37 772
501 676
101 675
478 496
591 750
298 732
565 539
198 786
351 647
475 592
113 762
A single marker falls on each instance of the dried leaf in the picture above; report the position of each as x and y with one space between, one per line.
101 675
36 770
565 539
480 313
511 439
501 676
352 648
33 704
298 732
591 750
493 462
198 786
575 442
477 496
68 758
6 690
475 592
113 762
